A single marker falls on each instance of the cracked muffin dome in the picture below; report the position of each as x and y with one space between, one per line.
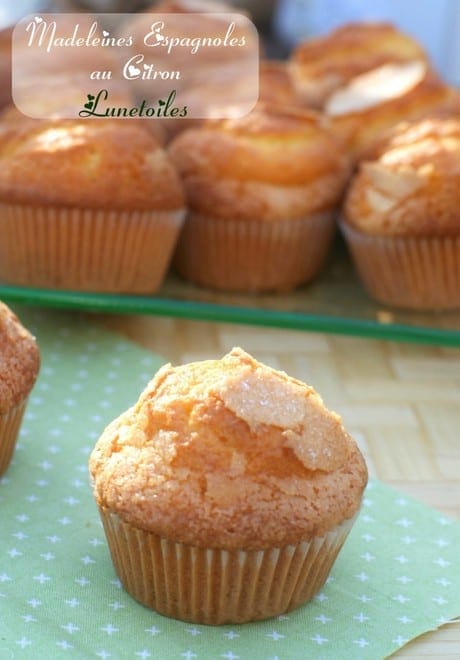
375 101
262 192
410 182
229 454
19 367
226 492
19 360
276 163
323 64
400 216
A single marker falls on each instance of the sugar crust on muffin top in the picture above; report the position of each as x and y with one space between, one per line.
19 360
409 183
229 453
275 163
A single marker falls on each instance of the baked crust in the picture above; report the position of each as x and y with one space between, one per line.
230 454
323 64
272 164
410 184
358 128
19 360
89 164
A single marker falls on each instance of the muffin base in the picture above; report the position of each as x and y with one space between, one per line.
417 273
86 249
10 423
214 586
253 256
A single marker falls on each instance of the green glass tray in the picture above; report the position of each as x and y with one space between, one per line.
335 302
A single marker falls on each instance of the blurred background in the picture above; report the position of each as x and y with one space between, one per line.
435 23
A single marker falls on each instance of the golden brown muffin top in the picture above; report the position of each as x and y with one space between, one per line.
322 64
110 164
19 360
377 100
229 453
411 185
271 164
374 87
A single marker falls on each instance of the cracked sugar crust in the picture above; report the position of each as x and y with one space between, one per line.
274 164
19 360
229 453
325 63
410 185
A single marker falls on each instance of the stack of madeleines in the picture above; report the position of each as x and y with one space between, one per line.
355 129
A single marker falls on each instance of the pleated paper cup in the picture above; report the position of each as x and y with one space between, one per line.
253 256
416 273
95 250
215 586
10 423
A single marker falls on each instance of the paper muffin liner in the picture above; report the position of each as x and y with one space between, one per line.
10 423
215 586
418 273
251 256
86 249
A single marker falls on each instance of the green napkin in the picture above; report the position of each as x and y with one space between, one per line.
397 576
